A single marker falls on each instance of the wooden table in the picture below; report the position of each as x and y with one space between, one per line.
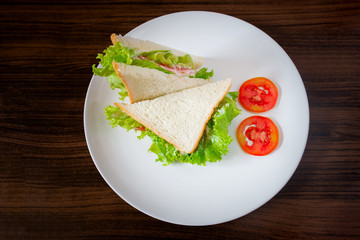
49 185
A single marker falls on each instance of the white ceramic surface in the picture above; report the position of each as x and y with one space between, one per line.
203 195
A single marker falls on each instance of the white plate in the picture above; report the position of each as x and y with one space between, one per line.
203 195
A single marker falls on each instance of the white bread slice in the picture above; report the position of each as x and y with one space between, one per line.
147 46
144 83
180 117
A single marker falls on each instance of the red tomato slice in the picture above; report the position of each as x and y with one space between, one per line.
258 135
258 94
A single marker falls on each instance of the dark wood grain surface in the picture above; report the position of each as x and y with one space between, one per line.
49 185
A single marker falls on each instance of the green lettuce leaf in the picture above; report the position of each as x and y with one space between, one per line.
117 117
213 144
149 64
169 59
203 73
116 53
116 83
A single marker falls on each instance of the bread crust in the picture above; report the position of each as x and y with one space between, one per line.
123 79
113 38
206 122
122 106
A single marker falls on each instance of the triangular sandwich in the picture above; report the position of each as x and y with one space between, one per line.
145 83
180 117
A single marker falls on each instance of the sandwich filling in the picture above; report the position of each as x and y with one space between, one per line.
178 70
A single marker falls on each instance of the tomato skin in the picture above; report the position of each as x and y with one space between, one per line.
140 128
258 135
258 94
